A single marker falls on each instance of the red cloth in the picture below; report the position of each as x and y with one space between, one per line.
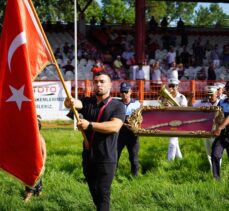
22 56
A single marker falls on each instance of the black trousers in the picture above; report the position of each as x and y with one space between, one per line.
128 139
218 146
99 178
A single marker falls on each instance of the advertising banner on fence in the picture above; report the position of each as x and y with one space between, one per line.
49 99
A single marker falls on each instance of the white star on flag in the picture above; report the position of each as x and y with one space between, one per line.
18 96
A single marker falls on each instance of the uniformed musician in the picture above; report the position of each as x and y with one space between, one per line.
174 149
210 100
222 141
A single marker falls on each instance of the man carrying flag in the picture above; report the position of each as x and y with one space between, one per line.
23 55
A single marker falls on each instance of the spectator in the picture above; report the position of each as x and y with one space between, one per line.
140 75
155 75
185 57
180 24
164 22
118 66
173 71
181 70
58 54
69 67
152 24
211 73
171 56
97 67
215 56
66 48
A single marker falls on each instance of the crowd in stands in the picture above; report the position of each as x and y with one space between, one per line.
180 55
65 57
201 58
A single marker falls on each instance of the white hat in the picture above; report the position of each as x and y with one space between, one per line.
173 81
219 85
210 89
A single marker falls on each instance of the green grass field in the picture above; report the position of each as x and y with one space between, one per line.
185 184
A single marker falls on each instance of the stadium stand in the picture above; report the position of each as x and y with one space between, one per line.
101 45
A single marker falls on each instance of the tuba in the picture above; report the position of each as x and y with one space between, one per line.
165 94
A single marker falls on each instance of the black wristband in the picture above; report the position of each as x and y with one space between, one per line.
90 126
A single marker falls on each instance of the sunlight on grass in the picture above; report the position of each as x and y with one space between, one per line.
185 184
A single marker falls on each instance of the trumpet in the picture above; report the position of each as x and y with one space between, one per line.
165 94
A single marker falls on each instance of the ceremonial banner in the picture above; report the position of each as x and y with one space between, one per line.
175 121
23 54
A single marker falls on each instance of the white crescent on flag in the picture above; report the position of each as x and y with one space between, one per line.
19 40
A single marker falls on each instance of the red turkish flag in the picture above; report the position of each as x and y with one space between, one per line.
23 54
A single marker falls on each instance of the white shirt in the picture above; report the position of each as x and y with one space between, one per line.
181 99
156 76
173 73
140 75
171 57
205 103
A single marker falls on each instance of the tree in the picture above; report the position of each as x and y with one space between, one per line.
212 15
93 10
173 10
115 11
55 10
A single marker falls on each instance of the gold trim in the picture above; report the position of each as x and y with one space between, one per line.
136 118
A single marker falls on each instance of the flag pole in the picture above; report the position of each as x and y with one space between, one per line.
76 114
75 50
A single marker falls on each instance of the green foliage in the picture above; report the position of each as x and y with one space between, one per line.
173 10
156 9
115 11
185 184
184 10
212 15
55 10
92 10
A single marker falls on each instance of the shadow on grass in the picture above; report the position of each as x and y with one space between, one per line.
151 159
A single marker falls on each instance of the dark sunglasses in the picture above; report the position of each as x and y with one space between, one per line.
124 92
171 85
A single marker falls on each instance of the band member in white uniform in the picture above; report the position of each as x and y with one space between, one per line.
174 149
210 100
220 90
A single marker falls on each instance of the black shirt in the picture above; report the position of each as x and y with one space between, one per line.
104 146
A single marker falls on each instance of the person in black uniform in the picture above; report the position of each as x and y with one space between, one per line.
222 141
126 136
102 120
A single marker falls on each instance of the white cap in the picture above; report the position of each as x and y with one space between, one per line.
173 81
219 85
210 89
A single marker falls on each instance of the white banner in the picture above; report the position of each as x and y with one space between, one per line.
49 99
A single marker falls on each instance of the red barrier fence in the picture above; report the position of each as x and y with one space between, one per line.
146 89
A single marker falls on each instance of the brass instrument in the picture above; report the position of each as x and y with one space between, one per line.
165 94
